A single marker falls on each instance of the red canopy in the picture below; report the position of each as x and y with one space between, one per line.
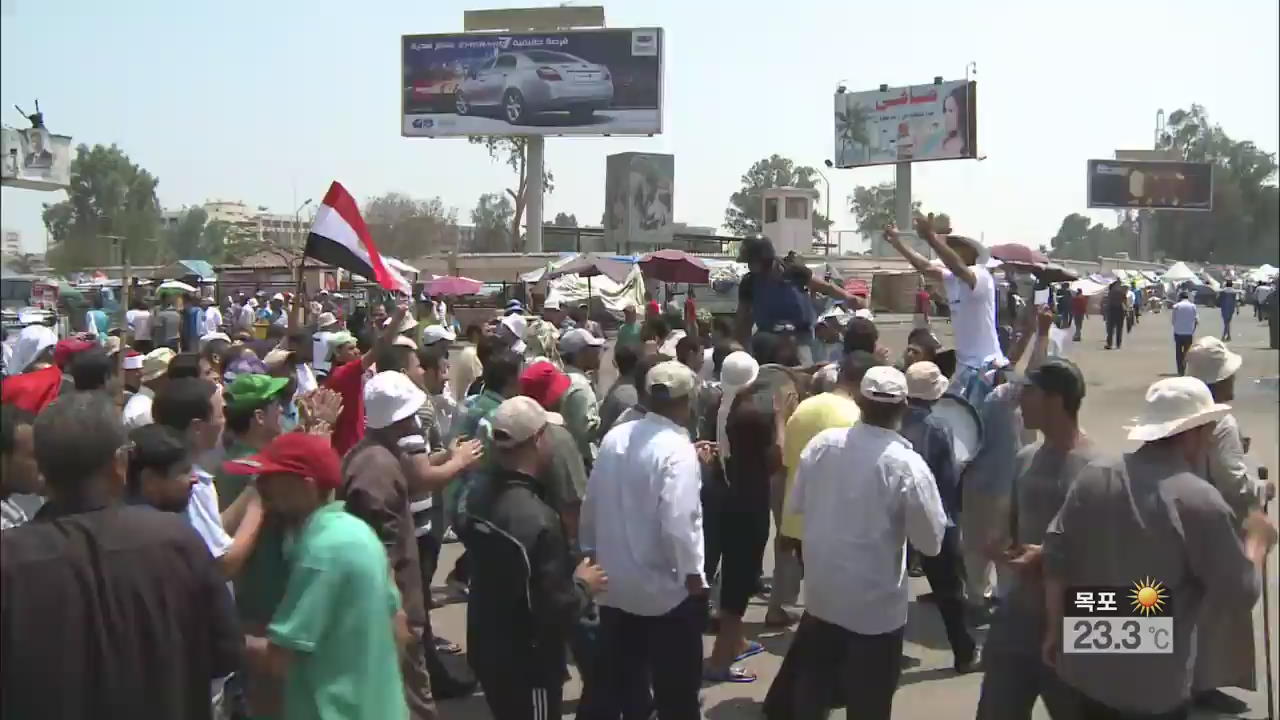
857 286
453 285
675 266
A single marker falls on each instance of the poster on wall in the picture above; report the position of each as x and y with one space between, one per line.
639 188
906 124
572 82
35 159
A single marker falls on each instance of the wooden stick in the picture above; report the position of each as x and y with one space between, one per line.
125 286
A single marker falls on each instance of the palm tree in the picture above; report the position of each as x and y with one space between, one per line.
851 128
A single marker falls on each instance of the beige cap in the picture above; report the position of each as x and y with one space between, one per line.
925 381
669 380
516 420
156 363
884 383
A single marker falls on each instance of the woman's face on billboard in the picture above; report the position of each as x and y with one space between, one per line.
950 115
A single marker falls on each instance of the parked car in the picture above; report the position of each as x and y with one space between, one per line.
525 83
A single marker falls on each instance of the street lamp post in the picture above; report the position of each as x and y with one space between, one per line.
297 220
828 196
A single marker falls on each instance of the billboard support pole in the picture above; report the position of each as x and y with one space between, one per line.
533 202
902 196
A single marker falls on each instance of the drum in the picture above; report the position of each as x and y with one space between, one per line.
965 425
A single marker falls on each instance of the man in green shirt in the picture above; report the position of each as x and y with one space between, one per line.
334 637
629 330
254 406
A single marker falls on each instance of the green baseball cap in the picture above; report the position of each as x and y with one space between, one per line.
251 391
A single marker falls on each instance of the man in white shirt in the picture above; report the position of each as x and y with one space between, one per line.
971 292
863 492
642 519
212 316
155 365
1185 319
139 320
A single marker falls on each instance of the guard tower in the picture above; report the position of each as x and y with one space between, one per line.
787 218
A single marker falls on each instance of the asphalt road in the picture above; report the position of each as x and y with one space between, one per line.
1117 380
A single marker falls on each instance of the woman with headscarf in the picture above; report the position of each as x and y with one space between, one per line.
36 381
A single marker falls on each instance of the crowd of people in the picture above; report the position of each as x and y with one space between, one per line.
237 527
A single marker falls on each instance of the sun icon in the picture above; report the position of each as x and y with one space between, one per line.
1148 596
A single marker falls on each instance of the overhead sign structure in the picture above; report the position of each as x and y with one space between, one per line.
35 159
906 124
1147 184
638 189
573 82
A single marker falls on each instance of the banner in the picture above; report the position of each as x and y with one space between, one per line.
1160 185
574 82
34 159
906 124
639 188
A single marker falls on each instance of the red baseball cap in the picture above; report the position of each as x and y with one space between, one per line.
66 349
295 453
543 382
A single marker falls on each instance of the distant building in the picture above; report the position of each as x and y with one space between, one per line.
12 242
246 222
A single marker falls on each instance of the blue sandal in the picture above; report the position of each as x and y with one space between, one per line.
753 648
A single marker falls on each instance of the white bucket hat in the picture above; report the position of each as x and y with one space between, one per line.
1175 405
738 371
389 397
1209 361
925 381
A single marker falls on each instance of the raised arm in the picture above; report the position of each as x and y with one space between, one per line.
924 228
918 261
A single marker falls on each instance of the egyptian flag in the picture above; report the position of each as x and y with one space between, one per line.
339 237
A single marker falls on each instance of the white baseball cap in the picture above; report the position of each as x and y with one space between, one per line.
389 397
925 381
884 383
278 296
325 319
1209 361
516 420
669 380
551 304
577 339
433 334
1175 405
515 325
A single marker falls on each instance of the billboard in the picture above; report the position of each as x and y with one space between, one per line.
638 190
573 82
906 124
1148 184
35 159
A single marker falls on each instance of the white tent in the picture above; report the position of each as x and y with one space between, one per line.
1179 273
1266 272
573 289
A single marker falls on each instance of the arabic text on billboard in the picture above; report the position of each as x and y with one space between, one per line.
576 82
906 124
1150 184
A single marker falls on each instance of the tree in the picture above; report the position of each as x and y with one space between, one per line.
563 220
515 152
406 227
742 217
492 219
1079 238
109 195
875 206
185 240
22 263
1244 224
851 129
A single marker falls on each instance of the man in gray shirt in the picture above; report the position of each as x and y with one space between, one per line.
1050 400
1147 515
166 326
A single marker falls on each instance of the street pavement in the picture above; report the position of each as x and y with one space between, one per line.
1117 381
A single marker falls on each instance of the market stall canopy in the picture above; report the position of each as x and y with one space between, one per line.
591 265
1266 272
1178 273
399 265
174 286
1017 253
675 266
185 268
453 285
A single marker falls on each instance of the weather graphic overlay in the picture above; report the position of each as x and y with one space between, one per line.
1102 620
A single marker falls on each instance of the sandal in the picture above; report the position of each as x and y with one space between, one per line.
753 648
730 674
447 647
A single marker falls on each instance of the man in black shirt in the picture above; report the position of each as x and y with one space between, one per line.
107 609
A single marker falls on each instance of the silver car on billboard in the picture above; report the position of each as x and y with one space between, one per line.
521 84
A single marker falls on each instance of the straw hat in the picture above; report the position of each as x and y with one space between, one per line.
1209 361
156 363
1175 405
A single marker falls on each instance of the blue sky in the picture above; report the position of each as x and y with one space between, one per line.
266 102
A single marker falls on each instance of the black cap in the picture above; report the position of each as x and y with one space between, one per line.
1058 376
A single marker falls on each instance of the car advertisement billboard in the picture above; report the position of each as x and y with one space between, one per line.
1150 184
575 82
906 124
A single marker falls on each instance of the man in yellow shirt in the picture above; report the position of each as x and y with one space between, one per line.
821 412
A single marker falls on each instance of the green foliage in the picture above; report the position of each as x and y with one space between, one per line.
851 129
109 196
406 227
514 151
874 206
1244 225
492 218
1079 238
565 220
742 217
